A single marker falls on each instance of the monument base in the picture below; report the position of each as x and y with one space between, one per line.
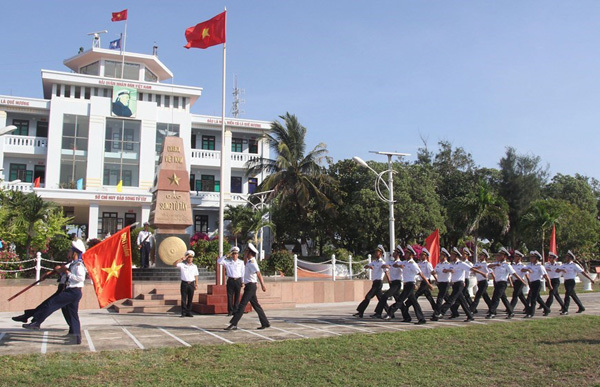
167 260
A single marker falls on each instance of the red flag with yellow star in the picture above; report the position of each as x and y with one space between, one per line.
208 33
119 16
109 265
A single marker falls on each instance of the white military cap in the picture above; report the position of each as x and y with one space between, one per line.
252 248
78 245
571 254
485 252
426 251
535 253
520 254
190 253
456 250
466 250
234 249
445 252
411 250
503 251
399 250
380 248
551 254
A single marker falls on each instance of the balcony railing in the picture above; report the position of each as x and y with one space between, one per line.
213 157
25 144
23 187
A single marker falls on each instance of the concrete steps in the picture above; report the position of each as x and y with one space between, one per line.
167 274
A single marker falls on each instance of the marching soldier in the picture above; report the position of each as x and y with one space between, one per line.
553 268
502 272
465 257
443 279
378 273
235 271
518 295
570 270
536 272
427 271
395 277
410 270
482 281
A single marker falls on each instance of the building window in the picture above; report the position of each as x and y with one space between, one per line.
167 101
158 98
236 144
130 219
73 162
91 69
176 102
163 130
122 152
253 146
252 185
41 129
236 184
207 183
22 127
110 222
201 223
208 142
149 76
113 69
39 171
20 172
193 140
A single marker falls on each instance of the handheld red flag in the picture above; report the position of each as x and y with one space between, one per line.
553 240
36 182
432 243
109 265
208 33
119 16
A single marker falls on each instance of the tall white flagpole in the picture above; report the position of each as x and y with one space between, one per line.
221 193
123 49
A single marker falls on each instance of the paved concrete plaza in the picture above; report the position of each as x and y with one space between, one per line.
105 331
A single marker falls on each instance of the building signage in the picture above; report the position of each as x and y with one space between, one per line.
235 123
132 85
121 198
23 103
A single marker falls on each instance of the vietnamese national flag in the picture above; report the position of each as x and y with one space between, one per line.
109 265
208 33
36 182
119 16
432 243
553 240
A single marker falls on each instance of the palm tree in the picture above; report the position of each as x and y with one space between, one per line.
541 216
257 221
238 217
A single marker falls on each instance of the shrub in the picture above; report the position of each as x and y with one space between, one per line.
6 263
207 252
281 261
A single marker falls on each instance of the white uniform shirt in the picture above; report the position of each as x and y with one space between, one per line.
551 269
572 270
439 270
395 272
76 277
142 237
518 267
481 266
537 271
460 270
234 268
378 271
503 271
250 271
410 270
426 268
188 272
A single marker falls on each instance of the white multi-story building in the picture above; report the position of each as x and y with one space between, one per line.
75 145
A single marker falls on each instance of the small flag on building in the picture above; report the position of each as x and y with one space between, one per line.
36 182
120 186
109 266
80 184
208 33
119 16
115 44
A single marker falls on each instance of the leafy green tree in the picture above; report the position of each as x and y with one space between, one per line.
539 219
238 217
576 190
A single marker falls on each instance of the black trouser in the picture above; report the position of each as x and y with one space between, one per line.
456 298
408 295
500 294
145 254
570 294
68 299
30 312
234 286
534 296
442 296
466 292
555 282
518 294
375 291
481 293
425 291
187 295
250 296
393 291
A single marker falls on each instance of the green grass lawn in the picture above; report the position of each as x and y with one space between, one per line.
554 351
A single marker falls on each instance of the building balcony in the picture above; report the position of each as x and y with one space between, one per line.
212 158
201 199
22 187
25 145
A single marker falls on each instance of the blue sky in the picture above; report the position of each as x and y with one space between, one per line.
360 75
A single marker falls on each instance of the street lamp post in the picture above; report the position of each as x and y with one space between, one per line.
262 196
390 187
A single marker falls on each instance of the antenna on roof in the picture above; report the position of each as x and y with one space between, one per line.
96 38
237 92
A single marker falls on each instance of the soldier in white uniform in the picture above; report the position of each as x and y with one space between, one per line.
251 276
410 270
570 270
427 271
145 243
378 274
395 277
235 272
518 295
553 268
443 279
535 272
189 281
465 257
502 271
482 281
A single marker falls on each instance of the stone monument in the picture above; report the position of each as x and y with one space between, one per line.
171 212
